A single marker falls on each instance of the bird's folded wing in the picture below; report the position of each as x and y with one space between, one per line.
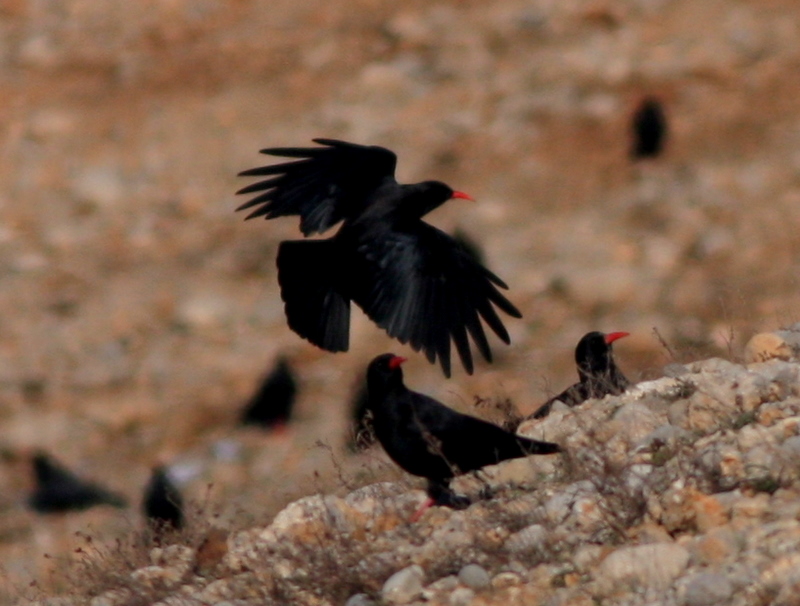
571 396
469 443
425 290
324 186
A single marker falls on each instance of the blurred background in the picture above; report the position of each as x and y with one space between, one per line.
139 312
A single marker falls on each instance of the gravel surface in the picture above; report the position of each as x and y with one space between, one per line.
625 516
139 311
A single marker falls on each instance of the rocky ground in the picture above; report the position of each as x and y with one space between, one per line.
683 491
139 311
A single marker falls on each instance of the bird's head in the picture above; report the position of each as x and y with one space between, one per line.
384 372
593 354
430 195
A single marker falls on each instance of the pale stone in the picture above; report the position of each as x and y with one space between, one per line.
99 185
461 596
404 585
652 566
530 539
157 576
766 346
506 579
707 589
474 577
360 599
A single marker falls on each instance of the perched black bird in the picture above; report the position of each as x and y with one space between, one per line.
410 278
599 375
648 130
58 490
271 405
362 435
163 503
427 439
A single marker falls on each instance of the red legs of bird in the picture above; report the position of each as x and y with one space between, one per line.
440 493
426 504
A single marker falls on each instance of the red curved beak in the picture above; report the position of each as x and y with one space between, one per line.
396 362
463 196
613 336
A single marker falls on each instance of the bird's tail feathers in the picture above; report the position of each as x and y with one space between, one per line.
532 447
315 309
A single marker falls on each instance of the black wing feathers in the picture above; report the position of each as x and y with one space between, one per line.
326 185
426 291
414 281
315 309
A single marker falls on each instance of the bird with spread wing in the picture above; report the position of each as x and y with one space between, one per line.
412 279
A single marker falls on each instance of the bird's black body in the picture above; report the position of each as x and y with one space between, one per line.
410 278
163 503
272 403
427 439
59 490
648 130
598 373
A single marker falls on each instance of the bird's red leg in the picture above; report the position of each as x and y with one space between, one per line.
280 429
427 504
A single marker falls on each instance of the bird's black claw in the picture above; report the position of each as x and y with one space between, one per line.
455 501
443 496
487 492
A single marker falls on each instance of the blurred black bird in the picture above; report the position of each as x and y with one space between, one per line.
410 278
362 435
58 490
598 373
648 130
162 504
427 439
271 405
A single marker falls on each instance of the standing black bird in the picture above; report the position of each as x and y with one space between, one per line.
271 405
58 490
598 373
410 278
163 503
648 130
427 439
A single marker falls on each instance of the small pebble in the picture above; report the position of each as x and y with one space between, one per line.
506 579
474 577
708 589
360 599
462 596
766 346
530 539
403 586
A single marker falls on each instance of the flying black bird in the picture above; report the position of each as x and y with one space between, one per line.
362 436
410 278
162 504
598 373
271 405
648 130
427 439
58 490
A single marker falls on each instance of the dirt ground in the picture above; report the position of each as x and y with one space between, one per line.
138 311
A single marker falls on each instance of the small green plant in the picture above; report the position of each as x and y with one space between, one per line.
746 418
